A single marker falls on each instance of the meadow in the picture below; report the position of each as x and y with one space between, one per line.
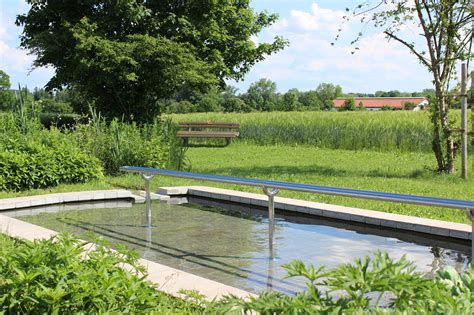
384 131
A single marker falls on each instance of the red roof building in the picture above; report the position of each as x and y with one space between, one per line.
377 103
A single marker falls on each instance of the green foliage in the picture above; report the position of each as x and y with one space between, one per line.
38 158
52 277
117 144
6 96
53 106
310 100
27 163
236 105
377 285
409 106
386 108
127 55
327 93
261 95
380 131
290 101
349 105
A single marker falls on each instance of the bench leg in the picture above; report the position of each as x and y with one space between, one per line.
185 142
228 141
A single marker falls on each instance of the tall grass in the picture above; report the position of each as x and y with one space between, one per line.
380 131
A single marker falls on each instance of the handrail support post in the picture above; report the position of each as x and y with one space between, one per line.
470 215
147 179
271 193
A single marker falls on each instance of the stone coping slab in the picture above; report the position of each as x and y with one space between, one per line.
377 218
169 280
60 198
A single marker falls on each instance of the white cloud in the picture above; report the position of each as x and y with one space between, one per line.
311 58
317 19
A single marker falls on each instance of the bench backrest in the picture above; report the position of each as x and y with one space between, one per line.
210 125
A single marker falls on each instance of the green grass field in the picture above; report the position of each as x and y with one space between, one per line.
384 131
390 172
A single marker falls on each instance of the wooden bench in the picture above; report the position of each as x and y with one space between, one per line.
208 130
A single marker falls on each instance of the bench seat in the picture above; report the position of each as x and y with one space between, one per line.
208 134
208 130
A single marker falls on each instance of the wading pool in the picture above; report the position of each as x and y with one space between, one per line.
228 242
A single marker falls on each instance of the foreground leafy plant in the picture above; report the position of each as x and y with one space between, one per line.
377 285
51 277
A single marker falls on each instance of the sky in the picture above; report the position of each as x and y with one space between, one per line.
310 59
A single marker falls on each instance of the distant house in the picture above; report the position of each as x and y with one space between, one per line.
377 103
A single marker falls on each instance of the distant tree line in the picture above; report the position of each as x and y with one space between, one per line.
261 95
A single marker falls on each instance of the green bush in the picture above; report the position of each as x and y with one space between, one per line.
48 105
24 168
51 277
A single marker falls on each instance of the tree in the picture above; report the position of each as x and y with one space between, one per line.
290 100
445 30
125 56
310 100
261 95
235 104
327 93
6 96
349 105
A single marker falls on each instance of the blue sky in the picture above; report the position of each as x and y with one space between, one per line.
310 26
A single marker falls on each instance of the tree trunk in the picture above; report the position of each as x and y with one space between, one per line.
437 149
442 134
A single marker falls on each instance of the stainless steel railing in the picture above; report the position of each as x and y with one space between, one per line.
271 188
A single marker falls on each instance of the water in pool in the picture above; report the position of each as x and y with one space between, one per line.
229 243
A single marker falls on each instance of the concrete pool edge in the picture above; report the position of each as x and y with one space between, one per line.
169 280
370 217
61 198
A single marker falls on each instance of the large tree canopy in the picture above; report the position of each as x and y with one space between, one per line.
126 55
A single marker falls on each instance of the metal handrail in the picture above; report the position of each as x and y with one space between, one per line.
147 174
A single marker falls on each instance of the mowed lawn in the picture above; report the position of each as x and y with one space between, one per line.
410 173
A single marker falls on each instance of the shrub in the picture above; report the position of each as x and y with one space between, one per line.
37 166
409 106
52 106
51 277
349 105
